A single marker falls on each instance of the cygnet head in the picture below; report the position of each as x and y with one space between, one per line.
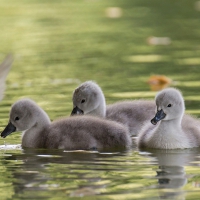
87 97
24 114
170 105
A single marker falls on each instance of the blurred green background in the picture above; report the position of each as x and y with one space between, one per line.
119 44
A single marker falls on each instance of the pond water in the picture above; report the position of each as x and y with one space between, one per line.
119 44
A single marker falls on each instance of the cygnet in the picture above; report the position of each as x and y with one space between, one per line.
88 99
72 133
170 128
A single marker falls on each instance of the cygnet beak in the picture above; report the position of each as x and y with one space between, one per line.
8 130
77 111
159 116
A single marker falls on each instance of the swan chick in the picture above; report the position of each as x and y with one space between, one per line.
72 133
170 128
88 99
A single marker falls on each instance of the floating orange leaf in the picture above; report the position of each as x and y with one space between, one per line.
159 82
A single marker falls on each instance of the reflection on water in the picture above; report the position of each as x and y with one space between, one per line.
120 44
171 173
122 175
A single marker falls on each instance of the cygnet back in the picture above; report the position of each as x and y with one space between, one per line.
133 114
87 132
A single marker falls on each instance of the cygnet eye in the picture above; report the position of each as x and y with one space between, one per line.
169 105
83 101
16 118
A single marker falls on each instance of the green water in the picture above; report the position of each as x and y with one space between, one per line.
59 44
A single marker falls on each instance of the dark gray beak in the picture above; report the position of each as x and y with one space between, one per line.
8 130
159 116
77 111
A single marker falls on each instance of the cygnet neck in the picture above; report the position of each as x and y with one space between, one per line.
100 110
173 124
38 131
